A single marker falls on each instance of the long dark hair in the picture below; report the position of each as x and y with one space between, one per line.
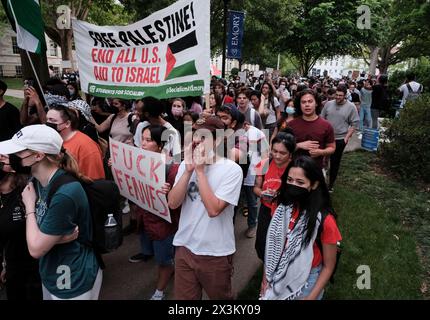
318 200
297 101
156 134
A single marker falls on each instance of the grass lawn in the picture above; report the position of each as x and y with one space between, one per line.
385 226
17 102
14 83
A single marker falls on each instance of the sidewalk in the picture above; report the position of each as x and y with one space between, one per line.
15 93
123 280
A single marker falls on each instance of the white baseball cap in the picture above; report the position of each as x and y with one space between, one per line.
37 137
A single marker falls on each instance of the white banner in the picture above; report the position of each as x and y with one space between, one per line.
140 176
164 55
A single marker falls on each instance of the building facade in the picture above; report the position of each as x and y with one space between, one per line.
339 67
10 60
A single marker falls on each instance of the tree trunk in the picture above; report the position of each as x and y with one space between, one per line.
66 47
373 60
384 60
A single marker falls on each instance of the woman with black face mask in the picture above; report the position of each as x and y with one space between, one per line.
302 238
19 272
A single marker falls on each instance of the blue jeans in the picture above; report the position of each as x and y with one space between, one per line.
310 283
251 202
375 115
163 250
365 114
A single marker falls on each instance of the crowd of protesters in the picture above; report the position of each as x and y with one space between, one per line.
276 162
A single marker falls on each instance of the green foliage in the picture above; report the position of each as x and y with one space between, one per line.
234 71
384 225
406 152
113 15
422 72
323 29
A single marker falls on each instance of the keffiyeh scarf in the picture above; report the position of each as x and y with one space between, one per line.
287 268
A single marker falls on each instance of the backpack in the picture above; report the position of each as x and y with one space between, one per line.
324 215
103 198
413 94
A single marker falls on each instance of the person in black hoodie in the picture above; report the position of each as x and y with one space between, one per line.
380 99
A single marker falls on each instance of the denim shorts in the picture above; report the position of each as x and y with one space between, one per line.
163 250
310 283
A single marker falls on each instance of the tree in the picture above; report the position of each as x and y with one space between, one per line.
97 11
399 31
323 29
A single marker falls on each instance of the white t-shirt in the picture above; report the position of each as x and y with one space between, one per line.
255 137
198 232
415 86
271 118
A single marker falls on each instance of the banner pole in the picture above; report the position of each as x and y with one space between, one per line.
28 55
35 74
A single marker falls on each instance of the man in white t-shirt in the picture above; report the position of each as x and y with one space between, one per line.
410 90
207 186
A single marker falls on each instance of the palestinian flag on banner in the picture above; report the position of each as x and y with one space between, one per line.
177 52
25 18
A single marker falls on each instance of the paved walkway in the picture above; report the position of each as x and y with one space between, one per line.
123 280
15 93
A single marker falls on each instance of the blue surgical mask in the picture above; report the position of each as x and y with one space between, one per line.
290 110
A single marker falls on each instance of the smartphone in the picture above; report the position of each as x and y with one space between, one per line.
28 83
267 195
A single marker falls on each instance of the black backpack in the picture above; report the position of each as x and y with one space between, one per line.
103 198
324 215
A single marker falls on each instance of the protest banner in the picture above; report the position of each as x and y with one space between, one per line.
165 55
140 175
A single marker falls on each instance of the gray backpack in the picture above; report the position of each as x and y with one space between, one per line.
413 94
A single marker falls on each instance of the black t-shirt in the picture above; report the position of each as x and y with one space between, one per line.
380 98
9 121
12 234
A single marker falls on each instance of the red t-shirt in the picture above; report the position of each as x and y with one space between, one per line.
228 99
272 179
330 234
155 227
317 130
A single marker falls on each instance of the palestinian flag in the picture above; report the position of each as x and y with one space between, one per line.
178 51
25 18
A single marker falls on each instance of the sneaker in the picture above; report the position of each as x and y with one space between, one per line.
251 232
139 258
157 296
245 211
126 208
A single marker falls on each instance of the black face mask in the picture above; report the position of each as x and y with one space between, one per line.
16 164
297 194
53 126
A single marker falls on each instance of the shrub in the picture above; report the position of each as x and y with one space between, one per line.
406 149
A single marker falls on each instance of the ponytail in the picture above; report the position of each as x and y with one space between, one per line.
69 164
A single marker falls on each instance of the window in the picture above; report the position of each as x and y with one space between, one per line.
57 71
1 71
15 48
53 49
18 71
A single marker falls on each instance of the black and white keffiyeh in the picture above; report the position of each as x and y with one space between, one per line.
287 268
